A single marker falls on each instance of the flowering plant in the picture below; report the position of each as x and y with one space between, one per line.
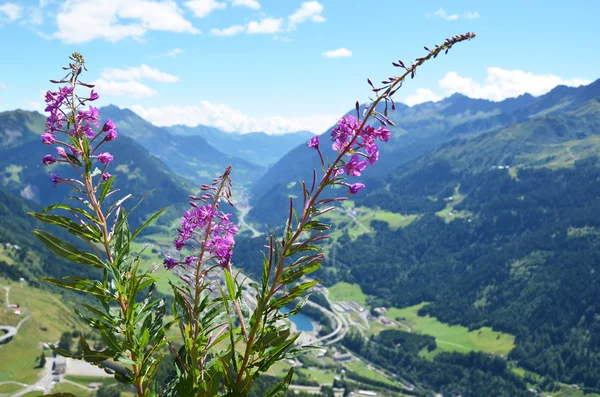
223 344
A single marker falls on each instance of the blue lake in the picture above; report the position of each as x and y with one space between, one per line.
300 320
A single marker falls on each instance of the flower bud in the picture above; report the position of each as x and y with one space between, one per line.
48 159
61 152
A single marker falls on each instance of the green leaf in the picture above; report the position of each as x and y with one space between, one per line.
105 189
315 225
121 237
74 159
300 350
66 207
293 294
230 283
292 275
148 222
90 287
280 388
66 250
91 234
299 306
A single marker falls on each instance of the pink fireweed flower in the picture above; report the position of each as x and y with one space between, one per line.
111 135
87 131
382 133
55 178
355 188
191 260
106 176
314 142
108 125
373 152
355 166
91 115
48 159
344 131
50 96
220 241
169 262
105 158
48 138
93 96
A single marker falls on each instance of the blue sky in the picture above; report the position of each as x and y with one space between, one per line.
283 65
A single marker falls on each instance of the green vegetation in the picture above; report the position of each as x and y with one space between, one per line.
86 380
9 388
321 376
454 337
366 371
343 291
50 317
12 174
449 213
78 391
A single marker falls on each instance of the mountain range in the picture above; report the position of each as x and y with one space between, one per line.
487 211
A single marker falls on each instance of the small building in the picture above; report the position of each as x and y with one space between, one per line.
342 357
380 310
17 312
60 365
366 393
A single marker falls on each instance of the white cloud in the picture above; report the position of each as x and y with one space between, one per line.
11 10
35 106
133 89
230 31
3 86
283 39
265 26
34 16
338 53
441 13
231 120
501 84
202 8
80 21
174 52
308 11
138 73
255 5
421 95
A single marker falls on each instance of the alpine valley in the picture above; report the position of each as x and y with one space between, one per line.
469 265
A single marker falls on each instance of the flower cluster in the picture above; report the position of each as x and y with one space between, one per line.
78 132
359 143
205 229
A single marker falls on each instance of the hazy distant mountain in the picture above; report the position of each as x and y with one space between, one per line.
426 127
256 147
189 156
23 174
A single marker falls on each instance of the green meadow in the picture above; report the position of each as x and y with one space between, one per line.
347 292
453 338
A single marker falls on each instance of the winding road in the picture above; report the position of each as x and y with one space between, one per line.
244 208
10 330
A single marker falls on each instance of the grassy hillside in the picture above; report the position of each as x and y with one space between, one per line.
50 317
